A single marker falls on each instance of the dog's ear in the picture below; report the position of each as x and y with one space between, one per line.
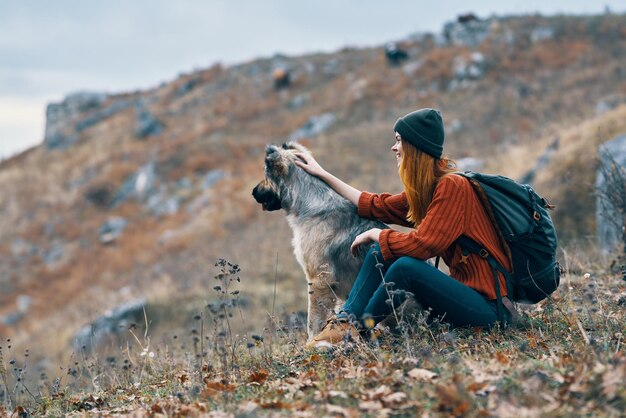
298 147
264 194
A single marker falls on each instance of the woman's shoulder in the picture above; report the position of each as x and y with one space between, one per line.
453 180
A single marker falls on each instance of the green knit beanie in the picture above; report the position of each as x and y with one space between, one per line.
423 129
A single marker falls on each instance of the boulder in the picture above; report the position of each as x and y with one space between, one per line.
332 67
139 185
313 127
146 124
470 164
470 67
54 253
470 33
610 102
23 248
23 303
541 33
111 229
411 68
12 318
114 323
210 178
299 101
610 188
163 203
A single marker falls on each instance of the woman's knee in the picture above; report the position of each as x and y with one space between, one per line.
407 269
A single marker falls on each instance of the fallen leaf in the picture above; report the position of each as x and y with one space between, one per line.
502 358
259 376
379 392
340 410
219 387
454 398
394 398
612 381
337 394
476 386
370 405
274 404
422 374
247 407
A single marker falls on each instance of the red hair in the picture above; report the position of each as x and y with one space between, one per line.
420 172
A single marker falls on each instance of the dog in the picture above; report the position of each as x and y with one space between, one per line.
324 225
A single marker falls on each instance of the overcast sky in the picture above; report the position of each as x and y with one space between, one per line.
51 48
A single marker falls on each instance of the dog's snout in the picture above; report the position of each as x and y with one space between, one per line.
255 192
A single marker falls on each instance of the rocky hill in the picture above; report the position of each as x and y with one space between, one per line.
132 197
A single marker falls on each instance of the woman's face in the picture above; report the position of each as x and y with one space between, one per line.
397 148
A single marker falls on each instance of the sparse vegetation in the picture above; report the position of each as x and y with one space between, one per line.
564 357
567 82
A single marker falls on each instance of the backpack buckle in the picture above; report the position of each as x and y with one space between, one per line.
483 253
536 216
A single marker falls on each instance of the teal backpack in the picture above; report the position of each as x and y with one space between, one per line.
527 233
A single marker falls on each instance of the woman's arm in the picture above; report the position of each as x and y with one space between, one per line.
311 166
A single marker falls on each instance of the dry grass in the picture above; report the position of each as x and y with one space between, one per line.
565 357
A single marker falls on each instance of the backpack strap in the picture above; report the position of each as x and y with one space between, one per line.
468 244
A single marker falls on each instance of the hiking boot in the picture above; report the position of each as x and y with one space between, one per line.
379 332
335 331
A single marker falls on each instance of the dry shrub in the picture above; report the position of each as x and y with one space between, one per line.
525 124
437 65
557 55
70 230
252 103
223 104
379 89
200 162
116 172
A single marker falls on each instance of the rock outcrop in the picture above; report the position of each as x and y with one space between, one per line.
611 195
60 118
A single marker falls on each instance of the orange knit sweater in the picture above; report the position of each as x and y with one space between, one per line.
454 211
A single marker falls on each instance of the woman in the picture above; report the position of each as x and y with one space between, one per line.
440 207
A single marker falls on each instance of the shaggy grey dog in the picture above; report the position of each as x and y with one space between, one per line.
324 226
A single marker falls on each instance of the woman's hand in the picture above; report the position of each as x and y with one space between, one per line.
365 238
308 164
312 167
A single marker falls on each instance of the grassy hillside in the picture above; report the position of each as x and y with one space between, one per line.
177 164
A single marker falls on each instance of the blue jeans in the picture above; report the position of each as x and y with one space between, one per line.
457 303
